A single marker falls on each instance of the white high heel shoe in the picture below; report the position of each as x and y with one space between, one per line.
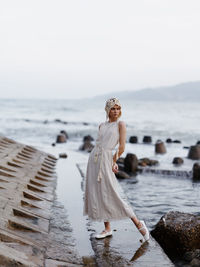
146 236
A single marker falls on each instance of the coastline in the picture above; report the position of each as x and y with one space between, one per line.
42 232
34 228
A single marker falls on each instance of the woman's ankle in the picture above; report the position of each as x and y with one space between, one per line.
139 224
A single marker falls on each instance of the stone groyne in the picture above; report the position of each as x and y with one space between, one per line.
34 228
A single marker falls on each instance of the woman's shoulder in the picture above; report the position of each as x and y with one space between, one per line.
122 123
101 124
121 126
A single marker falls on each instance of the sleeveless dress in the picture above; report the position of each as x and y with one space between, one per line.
104 199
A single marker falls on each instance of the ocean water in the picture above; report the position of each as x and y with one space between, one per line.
37 123
35 120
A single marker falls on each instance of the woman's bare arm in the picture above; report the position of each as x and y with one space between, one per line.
122 140
100 125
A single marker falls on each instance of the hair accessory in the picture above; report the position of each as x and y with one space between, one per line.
109 104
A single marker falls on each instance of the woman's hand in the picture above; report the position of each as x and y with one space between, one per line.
115 167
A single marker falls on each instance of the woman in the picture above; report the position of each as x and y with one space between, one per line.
102 199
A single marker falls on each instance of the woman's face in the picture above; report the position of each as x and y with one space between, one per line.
115 112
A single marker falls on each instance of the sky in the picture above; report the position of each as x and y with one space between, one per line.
81 48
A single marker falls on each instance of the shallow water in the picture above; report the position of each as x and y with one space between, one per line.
154 195
34 122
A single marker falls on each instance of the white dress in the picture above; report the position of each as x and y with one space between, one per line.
104 199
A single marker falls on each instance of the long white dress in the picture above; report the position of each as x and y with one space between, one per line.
104 199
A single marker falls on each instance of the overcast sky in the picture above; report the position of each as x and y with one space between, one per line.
75 48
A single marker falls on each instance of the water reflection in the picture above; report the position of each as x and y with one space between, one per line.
109 252
140 251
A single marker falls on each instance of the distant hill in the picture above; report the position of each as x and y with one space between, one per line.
189 92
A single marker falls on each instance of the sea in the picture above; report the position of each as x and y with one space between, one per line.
37 122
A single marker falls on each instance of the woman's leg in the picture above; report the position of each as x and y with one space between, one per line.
107 226
138 224
106 232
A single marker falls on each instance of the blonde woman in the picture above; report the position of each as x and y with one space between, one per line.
102 198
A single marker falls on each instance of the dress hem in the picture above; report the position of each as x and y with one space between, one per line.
108 219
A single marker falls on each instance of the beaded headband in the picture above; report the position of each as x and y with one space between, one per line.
109 104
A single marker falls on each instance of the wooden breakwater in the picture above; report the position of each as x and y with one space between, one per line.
34 230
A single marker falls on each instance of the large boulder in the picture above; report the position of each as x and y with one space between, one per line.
147 162
122 175
177 161
120 163
120 160
160 147
61 138
133 139
86 146
88 138
147 139
193 258
65 133
178 233
168 140
131 163
196 171
194 152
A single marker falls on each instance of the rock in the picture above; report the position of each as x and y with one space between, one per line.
177 141
193 257
194 152
142 163
130 163
160 147
186 147
57 120
147 162
53 144
122 175
120 160
189 256
120 163
196 171
120 166
61 138
177 160
133 139
147 139
63 155
60 121
169 140
45 121
87 146
153 162
178 233
198 142
65 133
88 138
195 263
